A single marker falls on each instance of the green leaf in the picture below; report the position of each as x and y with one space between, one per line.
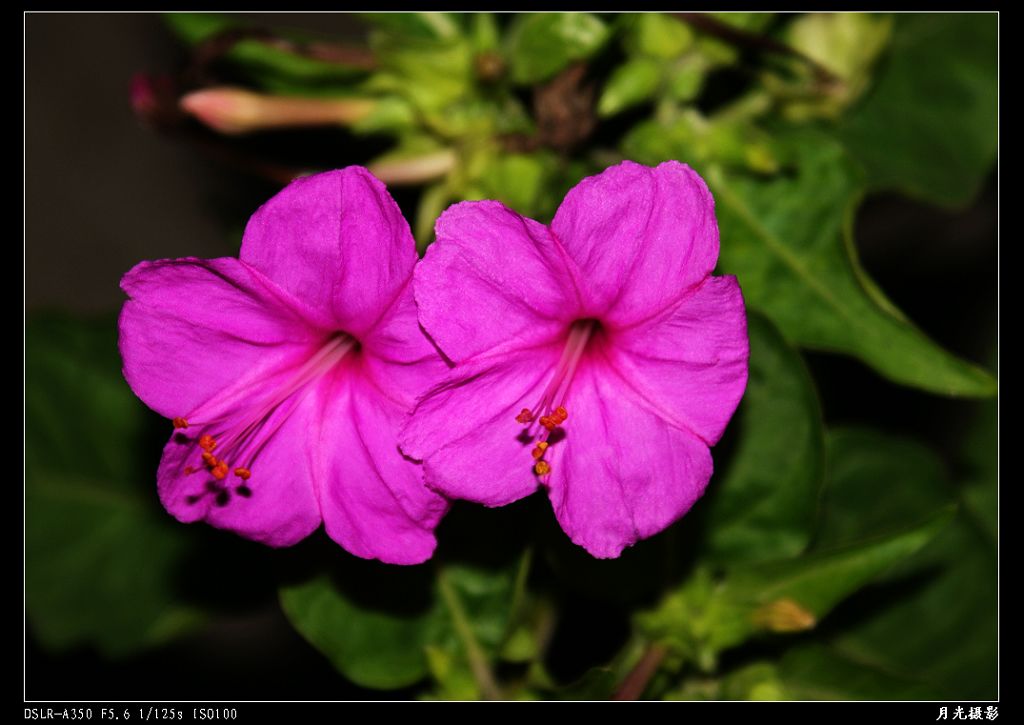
820 580
929 126
690 136
706 616
429 72
372 647
934 621
519 180
542 44
270 67
633 82
101 557
814 671
656 35
789 241
861 499
405 628
438 26
390 114
763 505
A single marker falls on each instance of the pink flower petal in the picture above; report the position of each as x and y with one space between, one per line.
399 357
336 240
276 506
465 430
640 236
492 279
690 362
621 473
373 499
194 328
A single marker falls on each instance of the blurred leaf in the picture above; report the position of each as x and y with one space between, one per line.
388 648
934 622
763 505
692 137
390 114
656 35
819 580
430 72
519 180
271 68
541 44
752 22
789 241
929 126
756 681
685 78
706 616
372 648
598 683
981 463
876 483
416 25
814 671
101 556
434 200
847 44
633 82
484 32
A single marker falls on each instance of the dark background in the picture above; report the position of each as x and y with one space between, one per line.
104 192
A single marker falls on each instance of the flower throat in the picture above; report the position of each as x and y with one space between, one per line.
550 411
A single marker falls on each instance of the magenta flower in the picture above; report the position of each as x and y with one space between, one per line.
596 358
288 372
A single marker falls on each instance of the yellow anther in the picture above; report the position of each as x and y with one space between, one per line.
542 468
180 423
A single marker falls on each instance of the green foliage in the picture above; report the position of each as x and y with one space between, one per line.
823 563
762 505
935 622
465 612
539 45
101 556
928 128
270 67
789 239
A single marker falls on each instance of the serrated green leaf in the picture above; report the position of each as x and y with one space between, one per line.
788 240
633 82
929 126
763 504
539 45
101 556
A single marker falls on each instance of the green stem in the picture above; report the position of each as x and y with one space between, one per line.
478 663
